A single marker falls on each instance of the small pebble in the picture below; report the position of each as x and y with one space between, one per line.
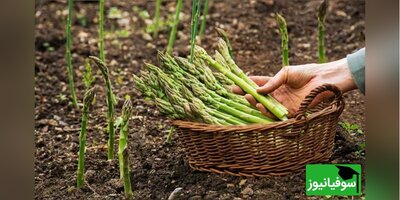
147 37
247 191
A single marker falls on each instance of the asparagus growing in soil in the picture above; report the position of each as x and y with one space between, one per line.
321 31
123 147
110 103
170 134
101 30
172 35
285 39
222 34
88 98
270 105
204 20
157 18
69 58
127 180
194 23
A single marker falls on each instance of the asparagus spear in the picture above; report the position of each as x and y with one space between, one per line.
222 34
69 57
223 49
174 28
193 70
192 82
156 19
172 88
123 147
274 108
87 100
187 94
285 39
110 103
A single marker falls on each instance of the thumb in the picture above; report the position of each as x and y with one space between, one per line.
279 79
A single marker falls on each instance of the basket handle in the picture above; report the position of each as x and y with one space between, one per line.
315 92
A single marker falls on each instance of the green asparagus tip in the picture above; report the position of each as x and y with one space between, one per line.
199 51
281 21
322 9
221 32
89 96
127 108
100 64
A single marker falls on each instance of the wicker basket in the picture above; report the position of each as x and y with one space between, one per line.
260 150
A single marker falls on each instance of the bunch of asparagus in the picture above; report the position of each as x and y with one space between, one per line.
192 91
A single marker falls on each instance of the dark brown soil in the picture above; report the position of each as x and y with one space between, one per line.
158 168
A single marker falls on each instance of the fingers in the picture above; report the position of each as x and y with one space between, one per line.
275 82
265 112
250 99
237 90
259 106
260 80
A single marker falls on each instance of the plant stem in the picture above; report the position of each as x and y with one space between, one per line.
101 30
69 58
170 134
123 156
89 95
321 32
194 23
285 39
110 103
127 177
203 22
174 29
157 18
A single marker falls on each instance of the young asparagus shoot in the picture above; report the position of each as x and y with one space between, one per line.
204 19
101 30
174 29
87 100
194 23
69 57
285 39
170 134
321 31
110 103
123 147
222 34
156 20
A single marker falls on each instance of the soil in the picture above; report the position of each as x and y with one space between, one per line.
157 168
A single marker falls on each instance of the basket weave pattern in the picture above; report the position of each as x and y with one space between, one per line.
278 148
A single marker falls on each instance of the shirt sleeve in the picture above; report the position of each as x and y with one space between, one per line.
356 63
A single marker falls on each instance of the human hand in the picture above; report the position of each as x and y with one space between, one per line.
293 83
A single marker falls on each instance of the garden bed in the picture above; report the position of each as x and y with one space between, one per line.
157 168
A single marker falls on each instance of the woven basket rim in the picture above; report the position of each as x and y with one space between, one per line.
291 121
336 105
